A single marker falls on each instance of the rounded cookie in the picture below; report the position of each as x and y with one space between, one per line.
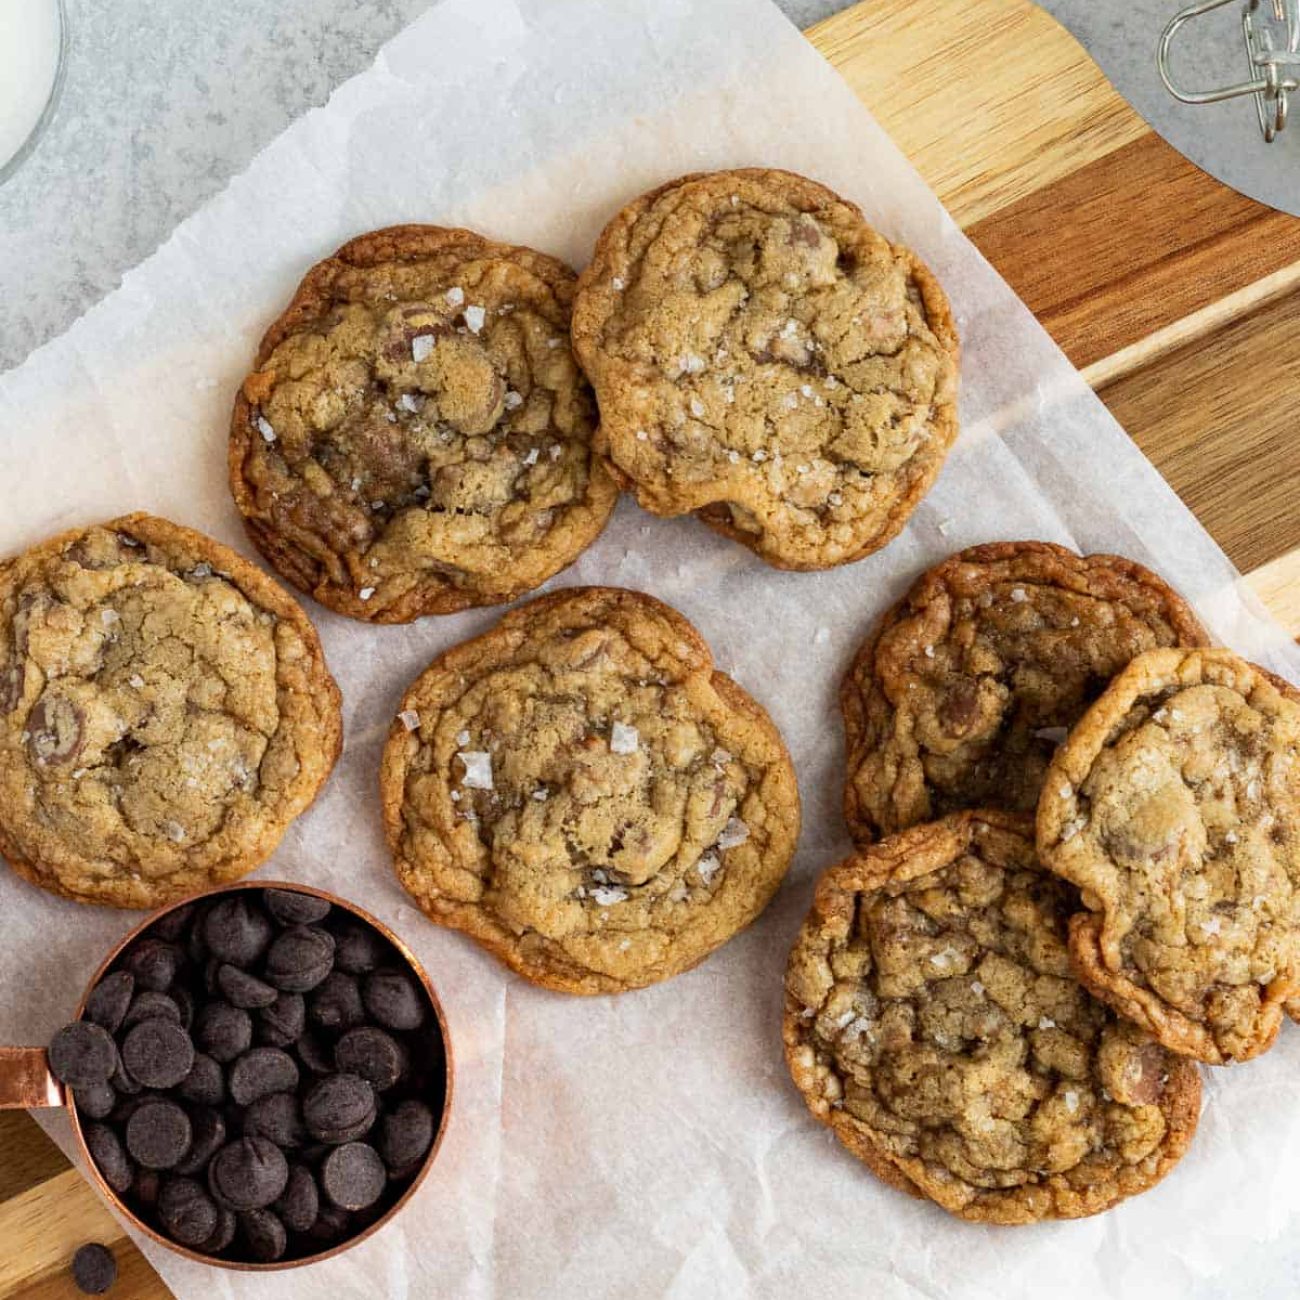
165 713
582 793
1174 805
764 358
933 1023
416 437
965 688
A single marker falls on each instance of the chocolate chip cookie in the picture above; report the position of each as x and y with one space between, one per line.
764 358
416 437
933 1022
961 695
1174 805
165 713
582 793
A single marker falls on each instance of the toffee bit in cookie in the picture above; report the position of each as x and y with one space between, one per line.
478 769
623 739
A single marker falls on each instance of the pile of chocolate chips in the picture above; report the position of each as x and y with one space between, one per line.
260 1076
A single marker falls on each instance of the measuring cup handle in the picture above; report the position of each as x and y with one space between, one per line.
25 1080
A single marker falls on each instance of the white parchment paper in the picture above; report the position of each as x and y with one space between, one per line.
649 1144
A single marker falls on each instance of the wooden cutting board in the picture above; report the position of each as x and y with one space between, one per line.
1176 297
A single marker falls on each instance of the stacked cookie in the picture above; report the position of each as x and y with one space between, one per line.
1004 1017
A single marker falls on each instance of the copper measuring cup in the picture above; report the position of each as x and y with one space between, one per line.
27 1084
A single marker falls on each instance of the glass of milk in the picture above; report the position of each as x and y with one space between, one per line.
33 42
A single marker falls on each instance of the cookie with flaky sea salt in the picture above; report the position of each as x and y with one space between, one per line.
165 713
934 1024
582 793
1174 806
965 688
416 437
764 358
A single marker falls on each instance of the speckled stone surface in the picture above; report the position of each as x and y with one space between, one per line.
164 102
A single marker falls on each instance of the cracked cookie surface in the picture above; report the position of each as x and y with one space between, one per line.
166 712
932 1021
764 358
963 691
582 793
416 437
1174 805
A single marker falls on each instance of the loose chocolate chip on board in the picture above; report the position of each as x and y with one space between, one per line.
145 1187
292 908
405 1135
339 1108
95 1100
187 1213
158 1133
149 1005
313 1053
236 930
283 1021
94 1269
154 963
300 958
264 1234
241 989
82 1053
209 1136
376 1056
205 1084
278 1117
174 926
357 949
335 1005
223 1031
353 1176
109 1157
300 1203
261 1071
393 999
110 999
248 1174
223 1234
158 1053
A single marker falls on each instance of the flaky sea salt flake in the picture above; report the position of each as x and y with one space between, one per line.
409 719
623 739
608 895
264 428
735 832
478 769
474 318
455 295
421 348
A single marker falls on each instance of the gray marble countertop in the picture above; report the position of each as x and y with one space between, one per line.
164 102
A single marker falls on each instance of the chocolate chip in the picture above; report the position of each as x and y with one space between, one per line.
393 999
82 1053
223 1031
376 1056
184 1000
339 1108
158 1053
336 1005
95 1100
158 1133
248 1174
174 926
299 959
264 1235
300 1203
283 1021
109 1000
357 949
122 1083
332 1224
405 1135
241 989
278 1117
209 1136
151 1006
205 1084
187 1213
94 1269
314 1054
109 1157
154 963
223 1234
236 930
260 1072
292 908
353 1176
56 731
145 1187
